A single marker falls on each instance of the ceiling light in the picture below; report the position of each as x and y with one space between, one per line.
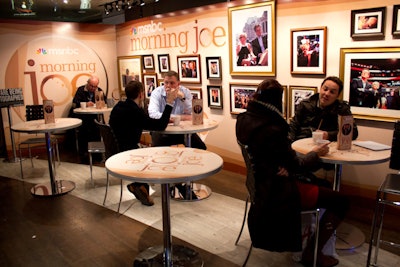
142 3
128 4
156 1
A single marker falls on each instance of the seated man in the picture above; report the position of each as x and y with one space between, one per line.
128 119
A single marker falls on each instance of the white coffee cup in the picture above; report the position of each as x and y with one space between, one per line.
83 104
176 119
317 136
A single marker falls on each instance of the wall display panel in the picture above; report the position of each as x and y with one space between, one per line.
382 88
214 68
240 94
163 63
214 96
189 69
148 62
149 83
252 39
368 23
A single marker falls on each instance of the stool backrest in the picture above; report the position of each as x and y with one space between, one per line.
109 139
395 152
34 112
250 179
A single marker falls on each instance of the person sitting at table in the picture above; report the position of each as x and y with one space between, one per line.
320 112
274 219
182 106
128 119
88 131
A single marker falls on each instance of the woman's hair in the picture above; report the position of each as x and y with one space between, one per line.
270 91
133 89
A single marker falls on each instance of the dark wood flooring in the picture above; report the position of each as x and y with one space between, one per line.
72 232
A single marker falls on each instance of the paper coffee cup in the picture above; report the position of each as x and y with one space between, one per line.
176 119
83 104
317 136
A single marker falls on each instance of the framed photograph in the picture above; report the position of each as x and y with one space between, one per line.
214 96
368 22
298 94
160 82
196 93
396 22
163 63
252 39
189 69
378 97
240 95
129 68
214 69
308 50
149 83
148 62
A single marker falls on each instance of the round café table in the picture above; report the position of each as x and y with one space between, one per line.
348 237
93 111
54 187
165 165
187 128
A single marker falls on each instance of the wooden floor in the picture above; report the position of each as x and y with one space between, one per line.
72 232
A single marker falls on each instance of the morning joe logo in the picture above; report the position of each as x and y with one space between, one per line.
58 51
152 27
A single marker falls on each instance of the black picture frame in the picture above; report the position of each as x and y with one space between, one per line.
214 96
163 63
148 62
214 68
367 23
396 22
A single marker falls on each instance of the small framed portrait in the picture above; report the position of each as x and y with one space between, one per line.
129 68
298 94
368 22
308 50
189 69
240 95
149 83
396 22
163 63
214 95
196 93
214 69
148 62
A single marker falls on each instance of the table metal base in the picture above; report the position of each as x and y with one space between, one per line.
12 160
62 187
348 237
190 192
181 256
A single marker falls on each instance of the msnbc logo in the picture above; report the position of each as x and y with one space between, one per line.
41 51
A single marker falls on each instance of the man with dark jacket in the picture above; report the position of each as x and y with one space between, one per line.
320 112
128 119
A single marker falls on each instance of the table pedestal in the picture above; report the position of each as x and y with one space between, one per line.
61 187
182 256
348 237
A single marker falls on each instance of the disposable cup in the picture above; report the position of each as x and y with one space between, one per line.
176 119
317 136
83 104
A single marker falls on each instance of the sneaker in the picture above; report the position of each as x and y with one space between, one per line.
141 194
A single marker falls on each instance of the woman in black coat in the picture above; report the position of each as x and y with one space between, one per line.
274 218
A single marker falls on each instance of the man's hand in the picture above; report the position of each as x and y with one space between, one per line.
171 95
89 104
322 149
180 94
282 172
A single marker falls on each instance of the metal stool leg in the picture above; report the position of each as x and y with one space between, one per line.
91 167
244 219
105 195
248 256
120 196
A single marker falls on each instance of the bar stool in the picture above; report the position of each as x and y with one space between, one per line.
387 194
94 147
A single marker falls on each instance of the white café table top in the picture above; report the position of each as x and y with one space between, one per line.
38 126
356 155
164 164
186 127
92 110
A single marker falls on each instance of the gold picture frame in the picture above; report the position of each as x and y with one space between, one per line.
129 68
298 94
243 20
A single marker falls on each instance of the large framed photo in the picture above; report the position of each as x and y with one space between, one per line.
368 22
396 21
129 68
308 50
298 94
163 63
214 69
252 39
149 83
214 95
377 98
240 95
189 69
148 62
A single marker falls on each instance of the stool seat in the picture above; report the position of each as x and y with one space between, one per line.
391 184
